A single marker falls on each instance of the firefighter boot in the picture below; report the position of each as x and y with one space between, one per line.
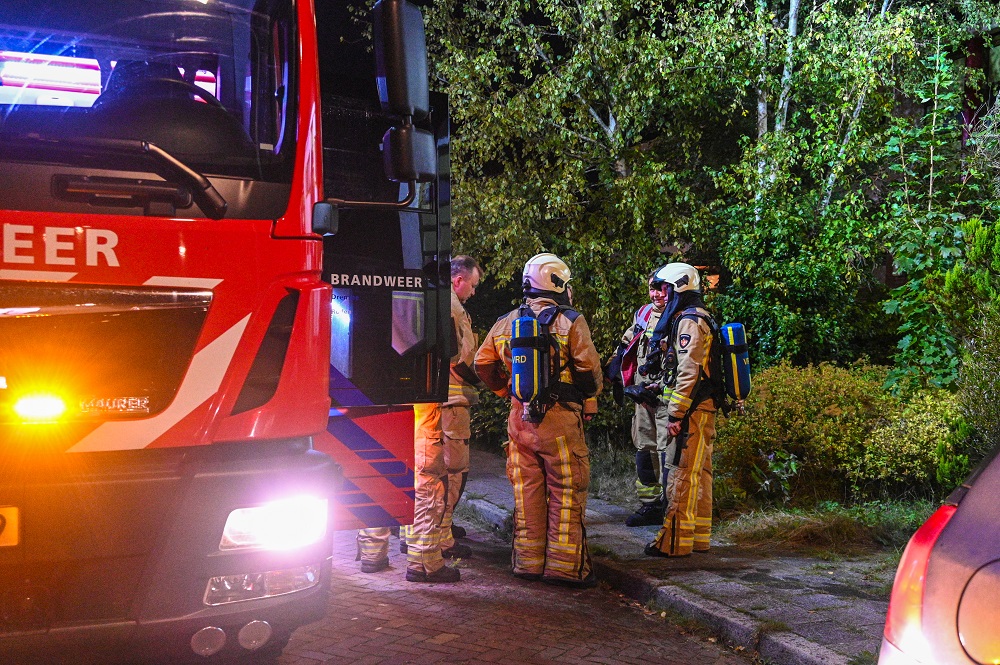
648 514
374 566
444 575
588 582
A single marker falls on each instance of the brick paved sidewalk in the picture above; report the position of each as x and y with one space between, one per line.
488 617
791 610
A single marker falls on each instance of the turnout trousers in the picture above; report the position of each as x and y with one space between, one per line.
373 544
687 487
549 467
423 537
649 434
455 424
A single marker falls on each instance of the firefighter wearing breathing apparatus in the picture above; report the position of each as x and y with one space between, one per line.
649 422
542 357
683 346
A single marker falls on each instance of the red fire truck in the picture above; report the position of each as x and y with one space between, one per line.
224 247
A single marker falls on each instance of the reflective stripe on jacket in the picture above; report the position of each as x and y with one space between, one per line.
693 346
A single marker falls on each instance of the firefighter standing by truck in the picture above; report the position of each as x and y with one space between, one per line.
441 442
685 339
463 393
547 460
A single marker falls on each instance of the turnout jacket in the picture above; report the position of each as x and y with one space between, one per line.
578 358
692 346
643 323
462 380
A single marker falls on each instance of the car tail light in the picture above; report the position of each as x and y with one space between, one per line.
902 624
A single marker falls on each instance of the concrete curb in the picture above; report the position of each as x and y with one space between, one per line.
494 515
732 626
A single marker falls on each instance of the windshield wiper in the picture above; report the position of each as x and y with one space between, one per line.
208 198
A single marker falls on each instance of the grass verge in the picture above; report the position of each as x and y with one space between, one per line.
829 528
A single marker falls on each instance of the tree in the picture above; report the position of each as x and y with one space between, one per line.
573 134
753 134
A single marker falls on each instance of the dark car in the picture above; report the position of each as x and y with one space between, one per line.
945 604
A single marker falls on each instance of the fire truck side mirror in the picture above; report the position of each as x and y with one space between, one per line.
409 154
325 218
401 58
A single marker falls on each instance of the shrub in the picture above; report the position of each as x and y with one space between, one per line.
919 452
489 422
803 429
979 385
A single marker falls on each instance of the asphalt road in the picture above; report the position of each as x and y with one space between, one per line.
488 617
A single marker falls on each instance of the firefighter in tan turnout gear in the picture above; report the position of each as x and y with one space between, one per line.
649 422
441 455
434 448
463 393
547 456
685 336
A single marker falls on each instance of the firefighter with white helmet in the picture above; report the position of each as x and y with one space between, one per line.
685 338
547 456
649 421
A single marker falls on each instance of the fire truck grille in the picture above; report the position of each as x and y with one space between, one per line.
39 597
89 528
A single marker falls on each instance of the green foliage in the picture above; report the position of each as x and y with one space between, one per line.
489 422
979 384
612 466
776 479
943 242
953 467
796 228
810 160
824 433
920 452
987 147
804 427
610 132
551 102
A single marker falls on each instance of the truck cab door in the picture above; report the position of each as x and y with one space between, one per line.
390 269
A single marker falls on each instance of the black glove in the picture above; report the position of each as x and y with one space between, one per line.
618 392
613 373
642 395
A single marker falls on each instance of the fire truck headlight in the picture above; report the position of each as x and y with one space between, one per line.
40 408
235 588
281 525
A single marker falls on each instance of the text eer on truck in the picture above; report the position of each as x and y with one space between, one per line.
224 279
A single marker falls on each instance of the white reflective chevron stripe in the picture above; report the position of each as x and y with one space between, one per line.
191 282
38 275
201 382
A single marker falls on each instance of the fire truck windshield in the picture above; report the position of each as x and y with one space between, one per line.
211 82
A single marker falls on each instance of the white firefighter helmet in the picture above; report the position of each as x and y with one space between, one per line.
681 276
545 272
